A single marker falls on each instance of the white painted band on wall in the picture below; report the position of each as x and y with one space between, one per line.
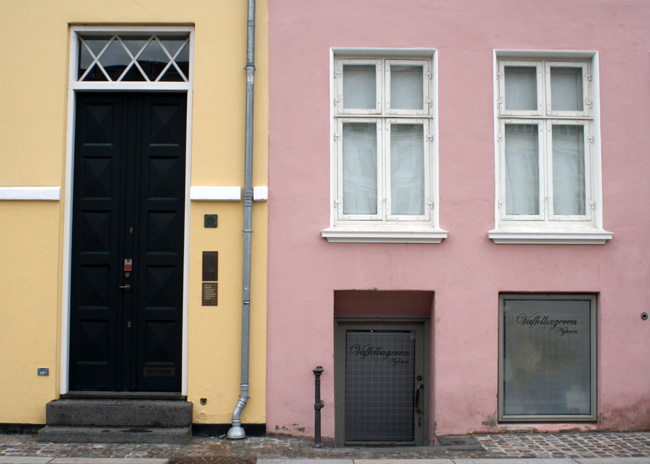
202 193
260 193
215 193
30 193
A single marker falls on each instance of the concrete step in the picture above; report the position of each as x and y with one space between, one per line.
67 434
118 413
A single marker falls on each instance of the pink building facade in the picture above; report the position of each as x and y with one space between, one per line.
458 217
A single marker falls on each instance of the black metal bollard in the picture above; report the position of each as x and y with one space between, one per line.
318 405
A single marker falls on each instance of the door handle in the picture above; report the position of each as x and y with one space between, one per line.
417 398
126 287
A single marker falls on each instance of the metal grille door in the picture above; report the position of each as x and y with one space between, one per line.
379 386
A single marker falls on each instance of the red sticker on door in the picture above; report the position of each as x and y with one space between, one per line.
128 264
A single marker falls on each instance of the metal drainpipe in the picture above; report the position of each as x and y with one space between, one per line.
237 431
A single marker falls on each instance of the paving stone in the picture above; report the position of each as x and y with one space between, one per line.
23 460
210 450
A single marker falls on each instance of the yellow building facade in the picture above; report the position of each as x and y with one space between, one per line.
122 204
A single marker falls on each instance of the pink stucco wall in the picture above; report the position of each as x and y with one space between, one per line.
467 270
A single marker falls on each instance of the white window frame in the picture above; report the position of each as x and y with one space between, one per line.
385 227
548 227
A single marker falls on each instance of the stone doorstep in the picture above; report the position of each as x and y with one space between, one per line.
119 413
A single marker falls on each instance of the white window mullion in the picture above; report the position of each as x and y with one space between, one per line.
383 158
546 171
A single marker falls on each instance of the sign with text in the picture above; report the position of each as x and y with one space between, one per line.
547 357
209 294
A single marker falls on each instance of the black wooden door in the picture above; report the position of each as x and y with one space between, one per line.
126 300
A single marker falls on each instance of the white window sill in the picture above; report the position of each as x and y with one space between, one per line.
399 233
558 235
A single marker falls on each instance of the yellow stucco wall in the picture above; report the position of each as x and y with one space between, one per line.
34 56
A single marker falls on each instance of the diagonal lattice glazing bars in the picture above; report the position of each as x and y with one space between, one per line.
129 58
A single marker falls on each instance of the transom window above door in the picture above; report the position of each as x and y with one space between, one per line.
384 155
134 58
148 58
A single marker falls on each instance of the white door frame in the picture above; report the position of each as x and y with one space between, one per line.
76 86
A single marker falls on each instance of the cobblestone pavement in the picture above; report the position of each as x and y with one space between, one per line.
510 445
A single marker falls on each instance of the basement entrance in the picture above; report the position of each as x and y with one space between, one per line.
381 382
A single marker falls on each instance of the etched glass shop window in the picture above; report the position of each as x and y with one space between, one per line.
547 356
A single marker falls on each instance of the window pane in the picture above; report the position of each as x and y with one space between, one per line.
153 60
521 88
359 168
406 87
566 89
115 60
522 169
95 44
359 86
407 169
547 357
183 60
568 170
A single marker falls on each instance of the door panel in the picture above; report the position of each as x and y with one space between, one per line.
379 386
379 376
128 203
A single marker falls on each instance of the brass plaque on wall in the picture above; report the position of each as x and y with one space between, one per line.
209 294
210 266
